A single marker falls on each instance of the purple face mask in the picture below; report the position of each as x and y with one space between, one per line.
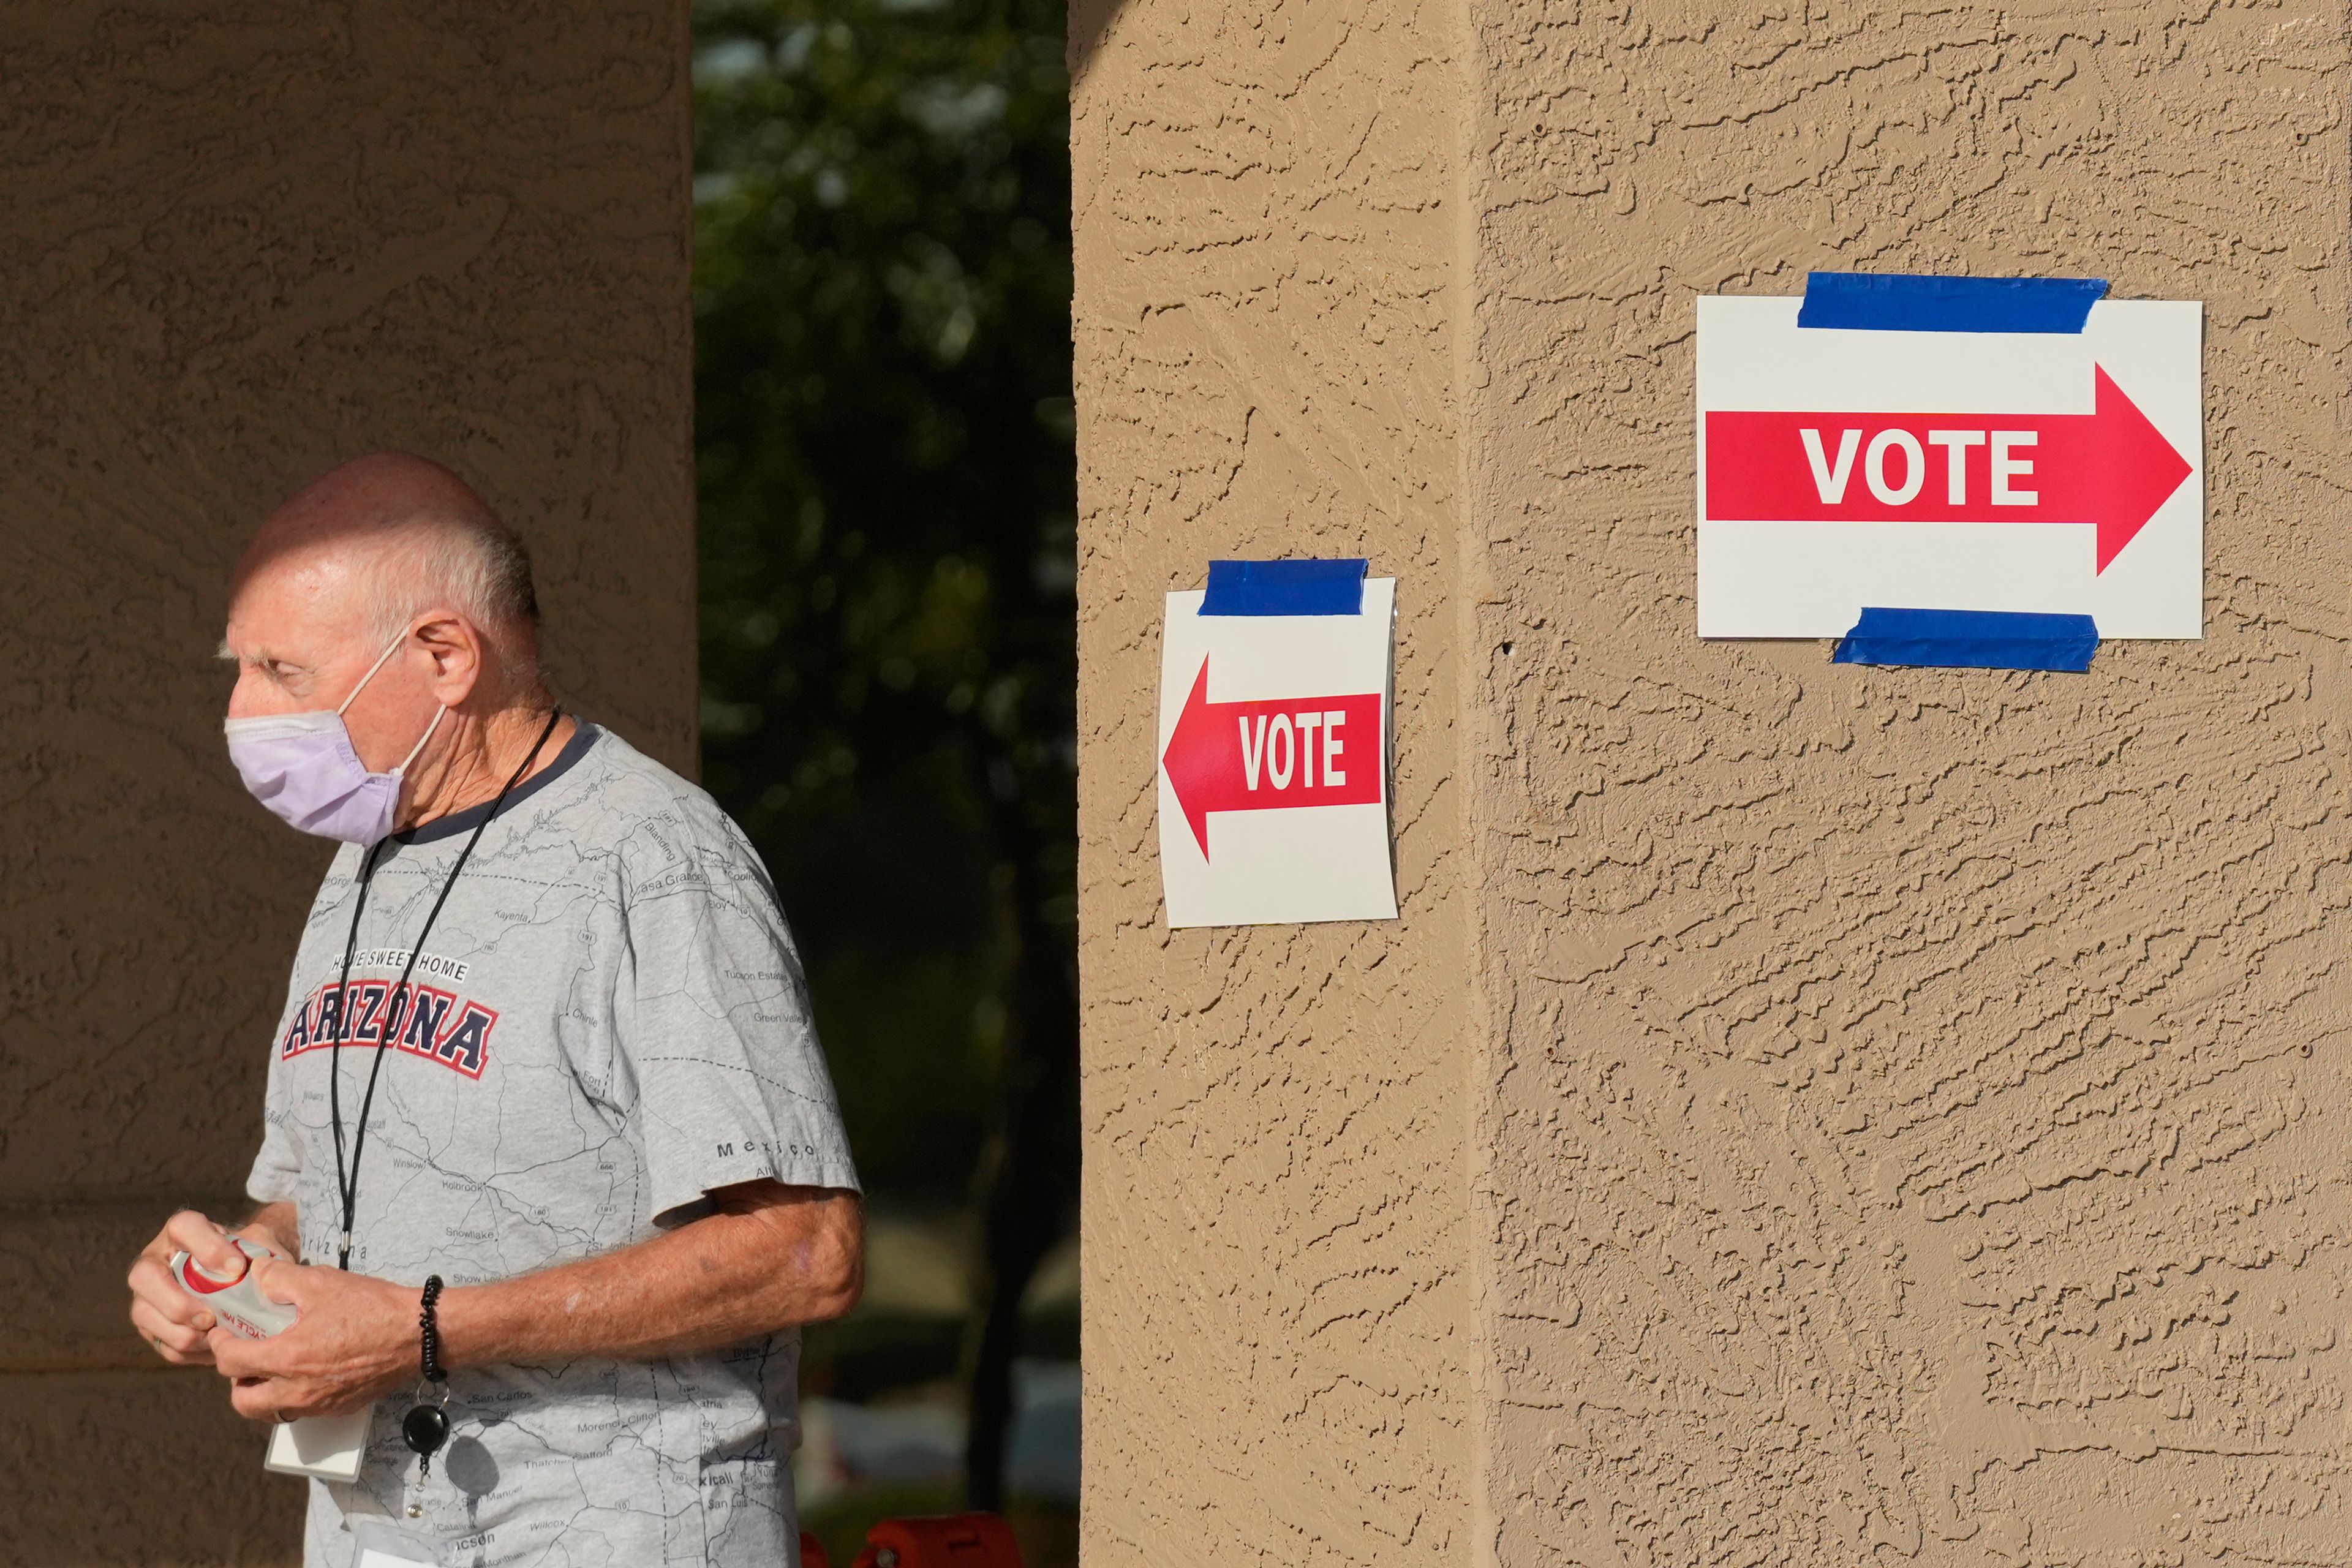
302 767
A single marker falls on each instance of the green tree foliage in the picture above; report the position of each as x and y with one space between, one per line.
888 499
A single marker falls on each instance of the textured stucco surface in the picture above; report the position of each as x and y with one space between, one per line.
243 242
1918 1112
1808 1114
1276 1232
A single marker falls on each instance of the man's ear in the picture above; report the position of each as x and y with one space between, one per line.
457 651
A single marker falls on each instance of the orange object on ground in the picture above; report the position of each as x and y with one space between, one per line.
949 1541
813 1553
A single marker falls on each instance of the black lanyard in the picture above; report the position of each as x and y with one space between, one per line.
347 1188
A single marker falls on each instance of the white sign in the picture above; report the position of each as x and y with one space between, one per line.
1949 470
1273 746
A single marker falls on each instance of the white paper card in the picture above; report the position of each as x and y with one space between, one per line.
326 1447
1273 765
1947 471
385 1544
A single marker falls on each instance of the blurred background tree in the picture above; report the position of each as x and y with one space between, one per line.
888 618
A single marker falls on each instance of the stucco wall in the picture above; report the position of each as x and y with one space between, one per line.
244 241
1894 1116
1275 1230
1919 1118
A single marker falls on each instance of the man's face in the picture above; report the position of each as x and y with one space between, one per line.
296 632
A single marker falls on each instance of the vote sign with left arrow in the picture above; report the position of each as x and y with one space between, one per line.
1274 747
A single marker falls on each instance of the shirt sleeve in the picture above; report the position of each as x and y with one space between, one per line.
278 1168
712 1016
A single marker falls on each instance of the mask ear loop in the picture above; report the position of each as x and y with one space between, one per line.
401 771
378 664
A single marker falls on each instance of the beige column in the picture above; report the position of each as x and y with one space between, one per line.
242 242
1805 1114
1276 1232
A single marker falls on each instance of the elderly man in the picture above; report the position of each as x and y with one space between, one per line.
545 1111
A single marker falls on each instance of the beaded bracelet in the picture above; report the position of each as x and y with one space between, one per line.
430 1339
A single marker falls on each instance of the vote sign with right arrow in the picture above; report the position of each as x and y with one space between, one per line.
1980 471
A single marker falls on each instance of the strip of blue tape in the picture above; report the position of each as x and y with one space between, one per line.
1970 639
1285 588
1908 302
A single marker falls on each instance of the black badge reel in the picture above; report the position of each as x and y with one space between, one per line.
426 1425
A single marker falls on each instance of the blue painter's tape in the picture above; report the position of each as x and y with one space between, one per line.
1907 302
1970 639
1285 588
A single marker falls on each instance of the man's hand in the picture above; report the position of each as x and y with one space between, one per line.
768 1257
354 1342
167 1317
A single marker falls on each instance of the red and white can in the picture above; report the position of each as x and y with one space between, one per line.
236 1300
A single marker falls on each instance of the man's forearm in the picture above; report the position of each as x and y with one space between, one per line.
747 1271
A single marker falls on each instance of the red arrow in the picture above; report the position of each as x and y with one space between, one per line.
2109 467
1267 755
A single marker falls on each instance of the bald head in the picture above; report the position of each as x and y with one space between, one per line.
390 536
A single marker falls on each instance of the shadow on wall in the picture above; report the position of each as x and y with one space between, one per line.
249 239
1090 24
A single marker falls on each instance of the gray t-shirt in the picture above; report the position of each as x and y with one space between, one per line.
610 1021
